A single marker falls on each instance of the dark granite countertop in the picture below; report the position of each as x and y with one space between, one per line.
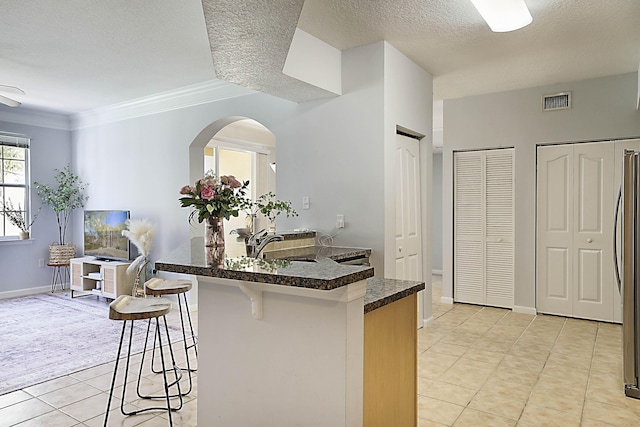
322 274
381 292
293 235
316 252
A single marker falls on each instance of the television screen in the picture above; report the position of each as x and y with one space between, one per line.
103 237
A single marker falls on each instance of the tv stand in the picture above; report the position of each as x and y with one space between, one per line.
106 278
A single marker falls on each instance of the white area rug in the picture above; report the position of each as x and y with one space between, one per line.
47 336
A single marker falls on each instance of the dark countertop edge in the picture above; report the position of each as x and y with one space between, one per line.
347 254
388 299
282 280
295 235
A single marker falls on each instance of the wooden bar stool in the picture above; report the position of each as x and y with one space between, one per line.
159 287
128 308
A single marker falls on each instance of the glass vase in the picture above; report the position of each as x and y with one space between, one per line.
214 242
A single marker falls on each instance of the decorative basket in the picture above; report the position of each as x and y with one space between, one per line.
61 254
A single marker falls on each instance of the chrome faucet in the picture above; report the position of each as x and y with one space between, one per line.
254 248
268 239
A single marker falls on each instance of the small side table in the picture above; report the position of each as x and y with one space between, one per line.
60 274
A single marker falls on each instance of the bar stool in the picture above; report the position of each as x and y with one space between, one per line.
159 287
128 308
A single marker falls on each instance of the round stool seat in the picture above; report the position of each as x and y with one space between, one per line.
157 286
126 307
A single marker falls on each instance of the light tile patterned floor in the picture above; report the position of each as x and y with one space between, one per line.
80 399
483 366
478 366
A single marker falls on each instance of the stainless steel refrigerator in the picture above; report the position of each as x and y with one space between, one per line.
628 271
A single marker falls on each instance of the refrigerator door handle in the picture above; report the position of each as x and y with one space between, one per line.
615 240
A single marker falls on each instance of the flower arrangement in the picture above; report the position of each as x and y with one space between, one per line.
17 216
214 198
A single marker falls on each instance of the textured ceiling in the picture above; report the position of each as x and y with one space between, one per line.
568 40
249 42
76 55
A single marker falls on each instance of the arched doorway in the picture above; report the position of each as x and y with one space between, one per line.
237 146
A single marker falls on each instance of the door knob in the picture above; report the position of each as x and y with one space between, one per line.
589 240
400 249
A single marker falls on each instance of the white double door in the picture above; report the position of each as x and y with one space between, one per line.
484 227
575 205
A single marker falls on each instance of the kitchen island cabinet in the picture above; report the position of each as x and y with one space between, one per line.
281 342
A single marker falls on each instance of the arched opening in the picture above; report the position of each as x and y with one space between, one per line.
237 146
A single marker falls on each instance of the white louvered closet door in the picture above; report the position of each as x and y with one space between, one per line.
483 221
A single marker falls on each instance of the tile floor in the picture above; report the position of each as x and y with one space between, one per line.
478 366
483 366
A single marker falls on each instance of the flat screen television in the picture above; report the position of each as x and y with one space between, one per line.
103 237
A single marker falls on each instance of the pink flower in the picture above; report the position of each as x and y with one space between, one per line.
187 189
207 193
234 183
207 181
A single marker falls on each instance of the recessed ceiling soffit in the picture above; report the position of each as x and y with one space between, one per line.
249 43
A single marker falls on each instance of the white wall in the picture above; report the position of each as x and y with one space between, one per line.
436 212
332 151
603 108
411 107
50 149
140 164
329 150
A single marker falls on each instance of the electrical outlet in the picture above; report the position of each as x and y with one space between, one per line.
41 263
340 221
305 202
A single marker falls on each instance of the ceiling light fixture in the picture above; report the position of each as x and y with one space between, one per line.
504 15
10 101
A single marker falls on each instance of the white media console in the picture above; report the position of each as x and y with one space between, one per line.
103 278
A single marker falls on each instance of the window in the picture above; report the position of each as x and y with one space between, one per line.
14 181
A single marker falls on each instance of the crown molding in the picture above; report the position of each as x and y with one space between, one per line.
33 117
188 96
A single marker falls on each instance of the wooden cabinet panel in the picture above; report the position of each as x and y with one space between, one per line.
391 365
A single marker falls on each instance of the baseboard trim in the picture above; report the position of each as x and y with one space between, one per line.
436 272
446 300
524 310
427 322
25 292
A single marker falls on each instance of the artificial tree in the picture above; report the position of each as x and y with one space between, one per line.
63 199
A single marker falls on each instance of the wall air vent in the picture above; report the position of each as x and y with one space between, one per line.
556 101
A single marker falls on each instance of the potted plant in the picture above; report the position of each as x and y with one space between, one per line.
17 218
63 199
270 207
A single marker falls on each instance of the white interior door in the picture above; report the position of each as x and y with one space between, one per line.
484 224
468 268
408 233
555 229
575 220
408 214
499 226
593 232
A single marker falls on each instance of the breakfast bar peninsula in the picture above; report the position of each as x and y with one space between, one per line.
281 342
